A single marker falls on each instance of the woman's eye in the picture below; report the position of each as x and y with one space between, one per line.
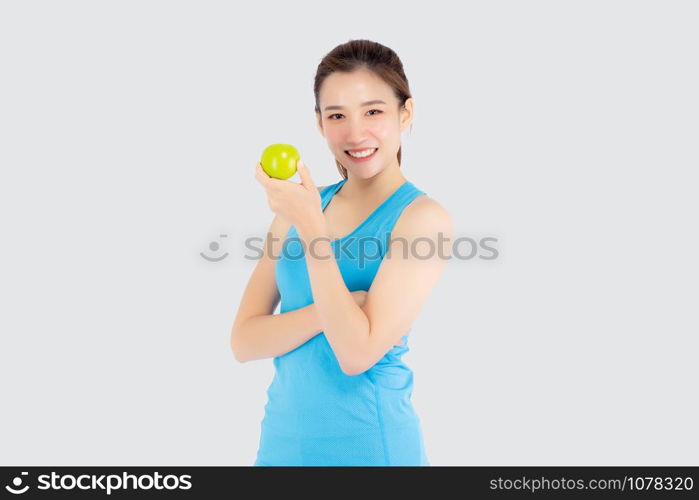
339 114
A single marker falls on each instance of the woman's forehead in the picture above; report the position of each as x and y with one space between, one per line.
353 89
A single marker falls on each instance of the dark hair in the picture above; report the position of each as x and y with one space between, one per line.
358 54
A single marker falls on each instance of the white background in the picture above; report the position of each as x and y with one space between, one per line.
567 130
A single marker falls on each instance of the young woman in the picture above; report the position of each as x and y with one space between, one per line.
352 264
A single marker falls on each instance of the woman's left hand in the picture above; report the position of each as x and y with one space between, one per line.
297 203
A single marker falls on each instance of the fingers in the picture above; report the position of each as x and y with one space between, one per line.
261 175
305 175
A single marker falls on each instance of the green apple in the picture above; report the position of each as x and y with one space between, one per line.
279 160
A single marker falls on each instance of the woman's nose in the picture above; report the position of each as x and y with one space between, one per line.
356 133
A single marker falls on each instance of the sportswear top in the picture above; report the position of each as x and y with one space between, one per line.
315 413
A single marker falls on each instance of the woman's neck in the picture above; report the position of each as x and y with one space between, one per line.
379 186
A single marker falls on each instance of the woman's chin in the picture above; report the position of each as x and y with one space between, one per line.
363 174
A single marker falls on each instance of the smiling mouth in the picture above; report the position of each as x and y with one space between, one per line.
360 158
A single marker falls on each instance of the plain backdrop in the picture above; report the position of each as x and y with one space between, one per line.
567 130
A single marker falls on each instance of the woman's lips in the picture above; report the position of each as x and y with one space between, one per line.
366 158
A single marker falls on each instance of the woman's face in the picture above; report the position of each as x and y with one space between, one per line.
351 123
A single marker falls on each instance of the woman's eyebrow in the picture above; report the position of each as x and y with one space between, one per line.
368 103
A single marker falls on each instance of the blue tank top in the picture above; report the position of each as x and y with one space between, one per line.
315 413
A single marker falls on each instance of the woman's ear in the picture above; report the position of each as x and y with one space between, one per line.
406 114
319 124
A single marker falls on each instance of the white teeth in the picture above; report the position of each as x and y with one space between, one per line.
363 154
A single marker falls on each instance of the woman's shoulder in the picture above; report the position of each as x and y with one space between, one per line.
424 214
424 205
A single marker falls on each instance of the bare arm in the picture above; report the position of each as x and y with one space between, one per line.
257 333
360 336
268 336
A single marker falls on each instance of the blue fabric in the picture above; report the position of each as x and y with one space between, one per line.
316 414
